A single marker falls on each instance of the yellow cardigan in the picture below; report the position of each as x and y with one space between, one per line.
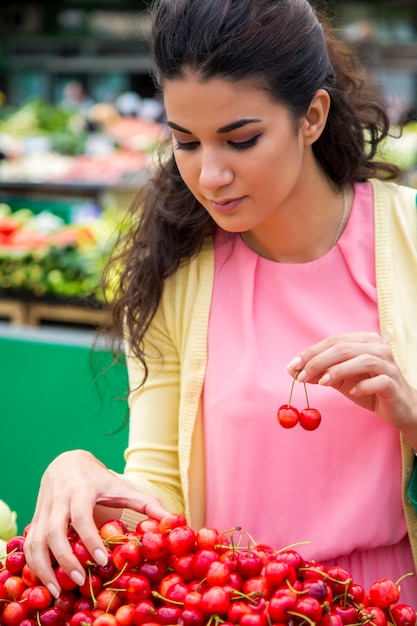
165 454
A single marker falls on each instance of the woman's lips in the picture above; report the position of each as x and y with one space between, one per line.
226 206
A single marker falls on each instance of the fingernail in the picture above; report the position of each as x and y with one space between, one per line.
100 557
294 363
302 376
324 380
353 391
386 337
53 590
77 577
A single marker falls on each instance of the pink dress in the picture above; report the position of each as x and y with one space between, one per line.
338 487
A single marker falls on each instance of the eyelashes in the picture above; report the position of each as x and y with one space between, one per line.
239 146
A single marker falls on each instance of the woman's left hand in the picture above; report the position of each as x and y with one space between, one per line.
362 367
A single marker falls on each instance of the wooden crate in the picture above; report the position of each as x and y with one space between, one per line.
14 311
64 314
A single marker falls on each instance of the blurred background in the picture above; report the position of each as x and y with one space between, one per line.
80 123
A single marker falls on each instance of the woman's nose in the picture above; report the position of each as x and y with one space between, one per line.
214 172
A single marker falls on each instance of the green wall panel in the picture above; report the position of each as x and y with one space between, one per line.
56 394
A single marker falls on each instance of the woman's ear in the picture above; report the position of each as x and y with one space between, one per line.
316 117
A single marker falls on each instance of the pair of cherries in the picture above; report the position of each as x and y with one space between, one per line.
288 416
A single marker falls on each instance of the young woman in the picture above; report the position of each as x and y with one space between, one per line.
269 246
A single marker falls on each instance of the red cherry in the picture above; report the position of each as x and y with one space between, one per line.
91 586
383 593
374 615
154 571
348 614
66 601
208 537
181 540
82 553
168 614
192 617
52 617
147 524
214 600
288 416
202 561
106 619
170 521
108 600
309 419
249 564
15 544
310 608
124 615
153 545
127 555
167 582
15 586
144 612
218 573
29 577
138 588
15 562
39 598
339 579
276 572
14 613
403 615
280 606
64 580
82 618
112 529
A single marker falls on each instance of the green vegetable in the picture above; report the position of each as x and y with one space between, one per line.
8 526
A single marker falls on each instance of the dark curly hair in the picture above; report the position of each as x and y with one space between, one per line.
284 47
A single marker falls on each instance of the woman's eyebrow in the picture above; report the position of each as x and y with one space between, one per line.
224 129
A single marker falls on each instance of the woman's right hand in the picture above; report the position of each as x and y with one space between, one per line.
74 486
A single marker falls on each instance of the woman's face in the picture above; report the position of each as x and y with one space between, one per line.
237 150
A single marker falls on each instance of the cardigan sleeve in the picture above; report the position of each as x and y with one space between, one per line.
152 453
165 456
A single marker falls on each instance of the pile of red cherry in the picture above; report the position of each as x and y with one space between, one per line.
165 573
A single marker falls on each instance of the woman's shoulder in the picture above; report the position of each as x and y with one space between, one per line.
394 194
395 201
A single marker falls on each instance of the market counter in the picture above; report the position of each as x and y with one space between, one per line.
57 394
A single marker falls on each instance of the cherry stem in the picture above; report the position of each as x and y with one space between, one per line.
397 582
305 391
113 580
159 596
294 545
118 539
292 387
303 617
115 592
90 584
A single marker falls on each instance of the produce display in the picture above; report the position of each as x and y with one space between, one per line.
43 142
42 256
165 573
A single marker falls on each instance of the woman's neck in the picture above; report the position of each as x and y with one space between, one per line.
305 232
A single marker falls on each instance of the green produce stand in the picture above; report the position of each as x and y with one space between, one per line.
57 394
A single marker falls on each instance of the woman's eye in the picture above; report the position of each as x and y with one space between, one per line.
186 145
245 145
